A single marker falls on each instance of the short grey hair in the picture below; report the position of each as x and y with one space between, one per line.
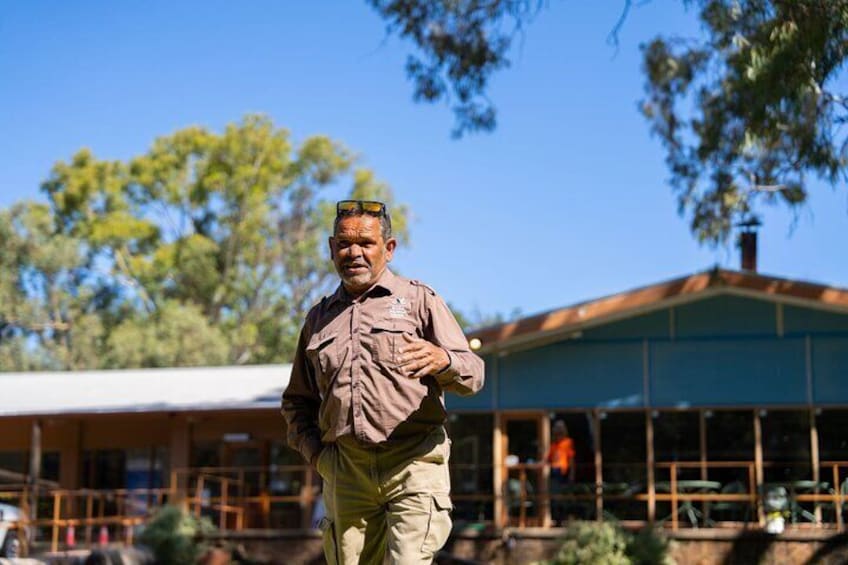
385 223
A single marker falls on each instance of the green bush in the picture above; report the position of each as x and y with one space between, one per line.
592 543
649 547
172 535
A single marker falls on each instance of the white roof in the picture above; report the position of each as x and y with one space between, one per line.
142 390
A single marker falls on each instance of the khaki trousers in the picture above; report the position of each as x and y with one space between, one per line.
386 503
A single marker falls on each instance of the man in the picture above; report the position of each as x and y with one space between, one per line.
561 459
365 403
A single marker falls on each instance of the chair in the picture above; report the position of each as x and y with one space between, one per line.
843 491
798 512
513 492
733 509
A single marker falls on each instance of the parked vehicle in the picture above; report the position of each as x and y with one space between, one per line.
11 534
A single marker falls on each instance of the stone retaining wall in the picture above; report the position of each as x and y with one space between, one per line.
704 547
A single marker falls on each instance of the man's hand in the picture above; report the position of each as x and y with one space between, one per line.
422 358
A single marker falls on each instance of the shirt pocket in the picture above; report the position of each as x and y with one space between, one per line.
387 339
323 352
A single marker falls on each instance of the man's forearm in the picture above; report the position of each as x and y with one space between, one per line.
464 374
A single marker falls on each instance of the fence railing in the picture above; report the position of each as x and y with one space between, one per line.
67 517
680 495
694 494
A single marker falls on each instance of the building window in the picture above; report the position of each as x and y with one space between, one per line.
205 454
730 444
832 428
730 435
471 465
287 481
143 468
786 445
14 466
623 447
50 463
677 438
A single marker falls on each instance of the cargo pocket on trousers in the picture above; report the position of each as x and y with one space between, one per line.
439 525
328 531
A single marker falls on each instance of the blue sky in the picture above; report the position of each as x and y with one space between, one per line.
566 201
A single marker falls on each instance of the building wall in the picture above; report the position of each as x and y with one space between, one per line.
572 374
728 371
719 351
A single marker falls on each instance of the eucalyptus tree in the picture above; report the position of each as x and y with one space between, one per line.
748 112
208 248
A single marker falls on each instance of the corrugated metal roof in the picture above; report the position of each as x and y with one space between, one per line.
142 390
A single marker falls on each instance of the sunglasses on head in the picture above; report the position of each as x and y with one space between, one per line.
356 207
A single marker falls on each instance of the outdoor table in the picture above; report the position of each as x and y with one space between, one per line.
686 506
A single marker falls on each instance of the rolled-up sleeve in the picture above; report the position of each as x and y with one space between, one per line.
301 402
465 374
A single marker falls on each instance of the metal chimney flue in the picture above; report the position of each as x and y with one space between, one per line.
748 244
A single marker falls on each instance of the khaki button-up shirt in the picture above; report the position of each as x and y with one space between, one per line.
346 377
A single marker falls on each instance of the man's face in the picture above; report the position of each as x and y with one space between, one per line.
359 252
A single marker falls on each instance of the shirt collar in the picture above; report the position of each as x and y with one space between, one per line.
387 282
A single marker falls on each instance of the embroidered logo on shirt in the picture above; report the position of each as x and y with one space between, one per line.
399 308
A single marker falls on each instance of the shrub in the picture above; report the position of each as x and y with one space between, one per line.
589 543
172 535
592 543
649 547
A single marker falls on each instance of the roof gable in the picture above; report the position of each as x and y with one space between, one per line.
559 323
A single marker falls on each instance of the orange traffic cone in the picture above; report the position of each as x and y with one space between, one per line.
103 536
71 536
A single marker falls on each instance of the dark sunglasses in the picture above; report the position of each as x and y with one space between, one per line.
356 207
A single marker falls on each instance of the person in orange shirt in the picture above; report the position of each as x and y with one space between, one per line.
561 460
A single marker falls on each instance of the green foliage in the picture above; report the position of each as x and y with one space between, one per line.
649 547
207 249
605 543
461 44
173 536
747 114
176 335
589 543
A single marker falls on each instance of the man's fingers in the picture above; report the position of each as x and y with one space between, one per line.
413 348
414 354
419 366
419 357
415 364
423 371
